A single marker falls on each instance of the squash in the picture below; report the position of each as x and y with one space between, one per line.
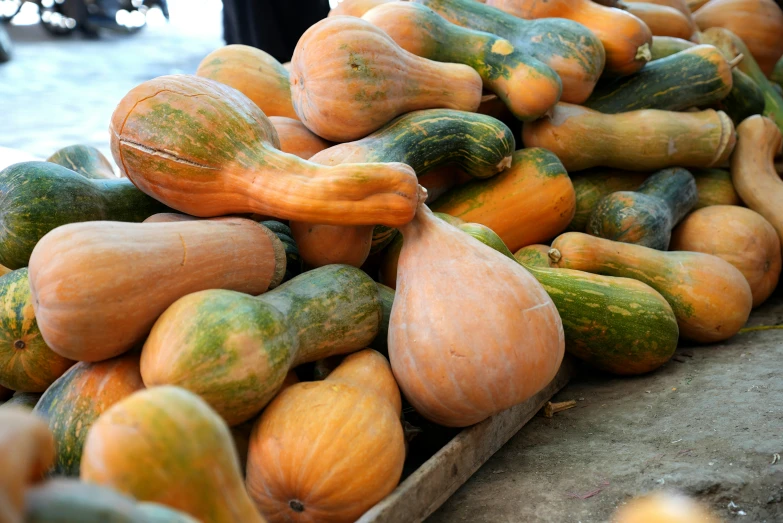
87 310
527 86
254 73
234 350
27 364
694 5
293 263
25 400
309 443
777 73
85 160
349 79
355 7
36 197
167 446
297 139
753 169
759 23
714 187
626 39
571 49
647 215
531 201
479 145
710 297
663 46
741 237
438 181
662 20
645 140
592 185
697 76
157 513
457 371
679 5
386 294
208 151
73 403
660 507
536 255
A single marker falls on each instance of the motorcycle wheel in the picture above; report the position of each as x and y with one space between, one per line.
9 9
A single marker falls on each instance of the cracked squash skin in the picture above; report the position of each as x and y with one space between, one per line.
207 150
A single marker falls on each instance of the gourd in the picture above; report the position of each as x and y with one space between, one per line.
645 140
73 403
697 76
167 446
380 343
531 201
710 297
753 169
759 23
571 49
536 255
662 20
85 160
355 7
452 371
87 310
27 364
647 215
592 185
24 400
663 506
208 151
309 443
679 5
625 38
254 73
36 197
741 237
777 72
297 139
349 79
526 85
714 187
234 350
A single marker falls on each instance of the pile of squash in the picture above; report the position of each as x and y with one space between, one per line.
428 206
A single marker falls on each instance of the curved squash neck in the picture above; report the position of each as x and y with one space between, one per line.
368 370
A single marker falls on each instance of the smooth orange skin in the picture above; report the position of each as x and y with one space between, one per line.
663 20
254 73
738 235
321 245
679 5
509 326
622 34
356 7
349 78
663 507
759 23
297 139
336 446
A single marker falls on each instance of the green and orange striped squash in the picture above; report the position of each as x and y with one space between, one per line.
715 187
536 255
593 184
85 160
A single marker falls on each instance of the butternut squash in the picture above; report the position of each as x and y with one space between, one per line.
663 20
715 187
355 7
592 185
297 139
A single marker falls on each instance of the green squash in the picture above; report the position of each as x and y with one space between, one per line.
386 294
234 350
536 255
777 73
85 160
593 184
715 188
36 197
664 46
293 260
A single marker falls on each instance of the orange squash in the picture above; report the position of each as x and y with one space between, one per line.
297 139
663 507
321 245
741 237
536 255
349 78
329 450
715 188
87 310
626 39
679 5
166 445
759 23
663 20
254 73
457 370
355 7
208 151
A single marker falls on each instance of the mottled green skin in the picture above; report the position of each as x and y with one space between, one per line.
36 197
715 188
676 82
663 46
85 160
294 262
777 73
26 400
386 294
531 256
592 185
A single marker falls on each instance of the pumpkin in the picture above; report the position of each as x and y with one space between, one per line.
626 39
254 73
73 403
27 364
322 245
759 23
309 443
25 400
89 311
710 297
355 7
349 78
663 507
592 185
697 76
234 350
36 197
571 49
662 20
208 151
435 355
647 215
644 140
297 139
536 255
714 187
167 446
85 160
527 86
741 237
